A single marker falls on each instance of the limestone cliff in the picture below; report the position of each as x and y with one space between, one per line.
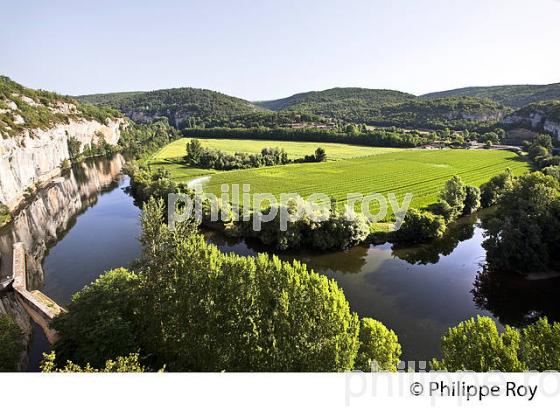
35 127
543 116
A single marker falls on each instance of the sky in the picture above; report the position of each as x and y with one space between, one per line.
267 49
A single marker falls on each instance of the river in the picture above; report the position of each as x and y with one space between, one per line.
86 223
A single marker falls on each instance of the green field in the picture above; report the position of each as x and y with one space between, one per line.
420 172
294 149
169 157
356 169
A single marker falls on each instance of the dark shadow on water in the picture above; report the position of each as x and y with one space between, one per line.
515 300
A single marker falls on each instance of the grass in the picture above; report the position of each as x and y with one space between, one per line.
362 170
294 150
420 172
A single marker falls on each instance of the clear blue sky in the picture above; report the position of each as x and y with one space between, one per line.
264 49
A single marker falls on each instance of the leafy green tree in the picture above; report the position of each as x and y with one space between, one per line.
472 200
239 313
379 347
11 344
544 140
524 234
122 364
194 151
553 171
476 345
352 129
492 190
320 155
419 226
454 194
540 346
536 151
102 322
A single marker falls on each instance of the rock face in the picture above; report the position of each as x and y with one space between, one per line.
33 157
544 116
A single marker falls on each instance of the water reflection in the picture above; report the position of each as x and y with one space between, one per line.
515 300
52 212
430 253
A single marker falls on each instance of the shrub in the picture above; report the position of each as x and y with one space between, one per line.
126 364
11 344
74 147
5 214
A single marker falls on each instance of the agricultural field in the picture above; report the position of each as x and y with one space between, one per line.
420 172
351 169
170 156
294 149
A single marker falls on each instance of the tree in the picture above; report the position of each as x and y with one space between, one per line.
194 151
239 313
352 129
492 190
379 347
122 364
553 171
476 345
320 155
536 151
540 346
544 140
524 234
472 200
454 194
419 226
102 322
11 344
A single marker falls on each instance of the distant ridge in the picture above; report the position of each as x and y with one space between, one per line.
515 96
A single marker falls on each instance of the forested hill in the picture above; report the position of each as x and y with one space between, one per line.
454 113
334 100
515 96
388 108
184 107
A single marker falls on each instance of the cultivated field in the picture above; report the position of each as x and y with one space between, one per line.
293 149
356 169
420 172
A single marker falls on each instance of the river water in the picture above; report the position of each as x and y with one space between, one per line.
86 223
